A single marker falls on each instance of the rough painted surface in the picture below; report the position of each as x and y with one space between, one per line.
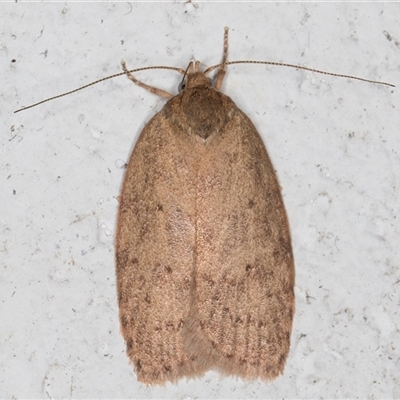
333 142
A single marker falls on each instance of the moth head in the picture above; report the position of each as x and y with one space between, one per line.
193 77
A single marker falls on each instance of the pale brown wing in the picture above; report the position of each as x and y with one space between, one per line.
242 311
154 251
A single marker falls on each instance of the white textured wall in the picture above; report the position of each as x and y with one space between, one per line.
334 144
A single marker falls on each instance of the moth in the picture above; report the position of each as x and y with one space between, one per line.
204 262
205 271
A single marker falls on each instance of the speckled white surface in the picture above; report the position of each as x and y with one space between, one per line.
334 144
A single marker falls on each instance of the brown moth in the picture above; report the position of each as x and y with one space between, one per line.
205 271
204 263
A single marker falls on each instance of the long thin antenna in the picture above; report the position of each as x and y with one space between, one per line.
181 71
209 69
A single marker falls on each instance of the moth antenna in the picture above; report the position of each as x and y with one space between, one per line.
182 84
125 72
209 69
